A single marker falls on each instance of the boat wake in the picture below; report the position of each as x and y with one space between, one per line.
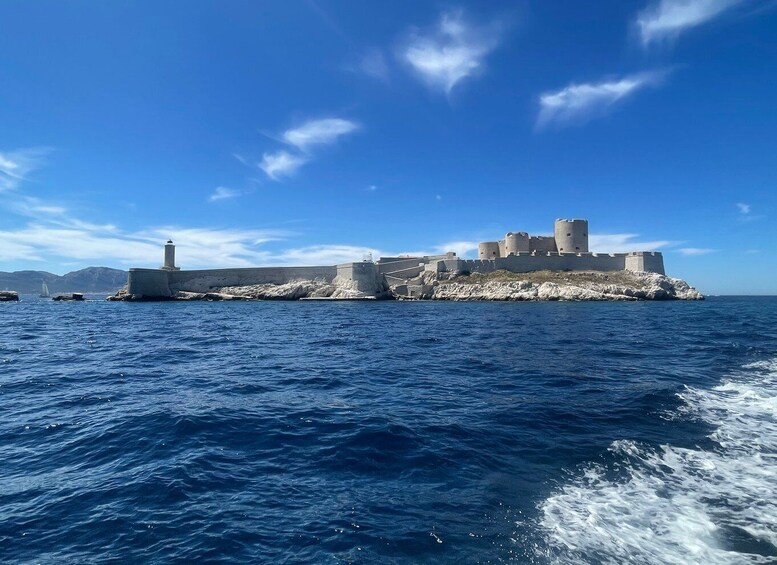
716 504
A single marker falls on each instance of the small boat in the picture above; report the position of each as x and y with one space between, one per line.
44 291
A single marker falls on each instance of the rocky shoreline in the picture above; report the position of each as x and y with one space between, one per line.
564 286
497 286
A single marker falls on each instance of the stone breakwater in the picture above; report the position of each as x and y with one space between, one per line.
500 285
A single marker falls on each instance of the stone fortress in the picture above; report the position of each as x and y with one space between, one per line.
566 250
518 252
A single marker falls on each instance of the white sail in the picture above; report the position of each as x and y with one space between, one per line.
44 291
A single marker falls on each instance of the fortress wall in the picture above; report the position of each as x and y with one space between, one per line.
444 265
649 261
478 265
502 247
207 279
408 273
399 264
452 265
552 262
542 244
525 263
394 281
148 282
364 276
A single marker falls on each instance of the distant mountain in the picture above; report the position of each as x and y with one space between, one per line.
91 279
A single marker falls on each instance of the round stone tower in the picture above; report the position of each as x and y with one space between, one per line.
170 256
571 236
516 242
488 250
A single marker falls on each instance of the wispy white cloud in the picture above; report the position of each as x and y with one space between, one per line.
213 247
462 248
450 52
624 242
746 215
32 207
372 188
196 247
305 137
689 251
666 19
54 236
323 255
371 63
16 165
281 164
223 193
318 132
578 103
36 242
52 214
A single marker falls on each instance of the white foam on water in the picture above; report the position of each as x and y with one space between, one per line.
676 505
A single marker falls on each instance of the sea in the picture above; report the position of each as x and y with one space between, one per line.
389 432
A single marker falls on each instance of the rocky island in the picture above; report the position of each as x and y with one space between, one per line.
499 285
9 296
519 267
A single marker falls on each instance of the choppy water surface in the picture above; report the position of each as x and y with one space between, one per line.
389 432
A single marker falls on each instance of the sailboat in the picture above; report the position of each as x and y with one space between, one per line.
44 291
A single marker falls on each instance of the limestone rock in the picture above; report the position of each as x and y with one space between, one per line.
9 296
339 289
73 297
501 285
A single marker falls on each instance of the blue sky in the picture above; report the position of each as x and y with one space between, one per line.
313 132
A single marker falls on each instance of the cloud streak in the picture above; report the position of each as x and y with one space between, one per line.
196 247
371 63
578 103
313 134
667 19
450 52
318 132
623 243
223 193
281 164
15 166
692 251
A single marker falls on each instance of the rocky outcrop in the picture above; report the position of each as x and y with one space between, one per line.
296 290
9 296
556 286
74 297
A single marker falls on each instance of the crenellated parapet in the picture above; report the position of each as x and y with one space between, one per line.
528 262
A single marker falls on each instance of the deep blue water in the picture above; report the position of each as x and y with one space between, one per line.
389 432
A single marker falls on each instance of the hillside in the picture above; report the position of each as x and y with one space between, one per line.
91 279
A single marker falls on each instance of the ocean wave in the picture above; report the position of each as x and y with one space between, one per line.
670 504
